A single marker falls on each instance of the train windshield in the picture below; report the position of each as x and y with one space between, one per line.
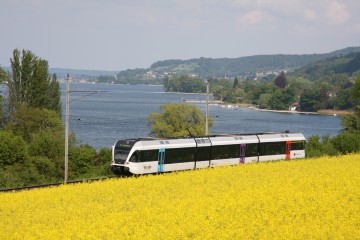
122 150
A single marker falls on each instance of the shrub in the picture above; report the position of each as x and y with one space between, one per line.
81 160
13 149
347 142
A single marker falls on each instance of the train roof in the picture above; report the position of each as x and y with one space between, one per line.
281 137
218 139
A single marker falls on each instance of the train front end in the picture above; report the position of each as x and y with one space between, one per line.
120 153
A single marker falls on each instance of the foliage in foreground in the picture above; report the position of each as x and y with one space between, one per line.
303 199
178 120
41 161
344 143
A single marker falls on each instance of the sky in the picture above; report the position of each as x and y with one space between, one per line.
126 34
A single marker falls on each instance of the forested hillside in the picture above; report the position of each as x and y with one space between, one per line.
345 64
242 67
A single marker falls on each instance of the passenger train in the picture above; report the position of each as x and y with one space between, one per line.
152 155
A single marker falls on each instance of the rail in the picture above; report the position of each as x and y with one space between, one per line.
18 189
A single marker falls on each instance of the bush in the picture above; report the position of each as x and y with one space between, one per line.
13 149
347 142
81 160
317 148
49 144
103 162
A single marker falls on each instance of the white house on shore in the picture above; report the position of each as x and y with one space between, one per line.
294 106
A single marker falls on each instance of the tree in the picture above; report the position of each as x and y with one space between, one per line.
30 83
352 121
280 80
282 99
236 83
81 160
310 101
184 83
29 121
3 77
342 100
355 93
178 120
264 100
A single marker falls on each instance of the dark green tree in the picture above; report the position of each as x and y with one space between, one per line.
310 101
282 99
342 100
236 83
352 121
184 83
3 75
3 78
30 83
280 80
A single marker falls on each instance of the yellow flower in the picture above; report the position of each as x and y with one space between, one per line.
297 199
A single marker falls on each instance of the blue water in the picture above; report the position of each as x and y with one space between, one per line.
122 111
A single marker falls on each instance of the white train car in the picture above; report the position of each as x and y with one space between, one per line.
149 155
233 149
279 146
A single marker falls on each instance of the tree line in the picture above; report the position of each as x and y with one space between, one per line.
31 131
329 92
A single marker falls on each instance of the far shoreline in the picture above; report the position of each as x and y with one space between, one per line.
327 112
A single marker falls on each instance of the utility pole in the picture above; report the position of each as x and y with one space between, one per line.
207 110
67 127
66 176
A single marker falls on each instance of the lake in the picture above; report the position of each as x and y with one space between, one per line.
103 118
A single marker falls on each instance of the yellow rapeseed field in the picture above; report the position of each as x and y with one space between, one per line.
297 199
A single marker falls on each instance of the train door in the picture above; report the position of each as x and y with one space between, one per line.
242 153
287 149
161 160
203 152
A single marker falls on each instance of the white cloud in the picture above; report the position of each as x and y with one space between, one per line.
253 17
309 15
337 13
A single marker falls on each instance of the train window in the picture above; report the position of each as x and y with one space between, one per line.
148 155
179 155
134 157
203 154
121 154
225 152
251 150
297 145
272 148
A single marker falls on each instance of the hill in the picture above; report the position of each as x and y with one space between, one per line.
243 67
343 64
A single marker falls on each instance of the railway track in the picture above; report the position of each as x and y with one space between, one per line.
17 189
